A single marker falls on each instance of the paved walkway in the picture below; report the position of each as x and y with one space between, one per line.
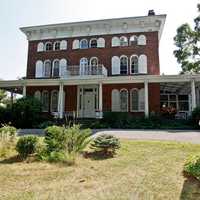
192 136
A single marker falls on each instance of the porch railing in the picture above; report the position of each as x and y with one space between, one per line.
75 70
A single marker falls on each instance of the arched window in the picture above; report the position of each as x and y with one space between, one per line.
75 44
115 42
63 68
55 70
134 99
83 66
45 101
47 68
142 62
83 44
133 40
134 64
37 95
63 45
141 99
39 69
123 41
123 65
142 40
93 61
93 43
40 47
54 101
124 100
57 46
115 65
115 100
48 46
101 43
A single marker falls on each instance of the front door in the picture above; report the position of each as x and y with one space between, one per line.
89 104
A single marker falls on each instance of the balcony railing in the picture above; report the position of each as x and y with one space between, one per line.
75 70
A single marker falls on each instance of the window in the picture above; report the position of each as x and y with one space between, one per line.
75 44
183 102
83 44
37 95
57 46
45 101
48 46
123 65
54 101
94 61
39 69
40 47
134 64
115 42
134 100
47 69
124 100
133 40
63 45
142 62
55 71
115 100
142 40
83 66
115 65
101 43
93 43
123 41
63 68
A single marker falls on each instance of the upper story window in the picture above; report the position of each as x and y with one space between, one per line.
55 70
48 46
40 47
134 64
123 41
142 40
93 43
115 42
123 65
83 44
57 46
47 68
133 40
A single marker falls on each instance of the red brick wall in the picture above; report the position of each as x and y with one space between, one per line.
154 95
70 98
104 54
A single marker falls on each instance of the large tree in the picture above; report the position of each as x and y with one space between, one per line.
187 41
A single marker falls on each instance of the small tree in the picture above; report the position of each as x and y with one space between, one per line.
187 41
106 144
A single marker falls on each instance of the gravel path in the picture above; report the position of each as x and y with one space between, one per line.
192 136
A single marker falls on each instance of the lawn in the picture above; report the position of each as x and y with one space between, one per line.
142 170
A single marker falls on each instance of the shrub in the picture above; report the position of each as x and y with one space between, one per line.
192 166
70 141
27 145
26 112
7 140
196 117
106 144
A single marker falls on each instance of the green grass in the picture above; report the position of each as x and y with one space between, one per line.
142 170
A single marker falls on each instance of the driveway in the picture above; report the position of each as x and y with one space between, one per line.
192 136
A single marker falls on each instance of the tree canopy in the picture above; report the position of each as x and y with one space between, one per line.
187 41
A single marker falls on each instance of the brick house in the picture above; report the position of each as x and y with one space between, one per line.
91 67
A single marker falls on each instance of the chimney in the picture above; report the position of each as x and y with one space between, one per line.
151 12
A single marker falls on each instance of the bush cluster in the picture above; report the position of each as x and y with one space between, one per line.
192 166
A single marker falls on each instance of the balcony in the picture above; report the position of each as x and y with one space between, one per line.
76 70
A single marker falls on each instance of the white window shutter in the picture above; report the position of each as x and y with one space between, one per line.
40 47
39 69
142 40
101 43
115 42
115 65
141 99
63 45
115 101
75 44
143 64
63 67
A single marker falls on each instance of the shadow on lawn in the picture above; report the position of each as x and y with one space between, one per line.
191 189
97 155
10 160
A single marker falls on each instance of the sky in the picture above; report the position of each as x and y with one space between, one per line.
19 13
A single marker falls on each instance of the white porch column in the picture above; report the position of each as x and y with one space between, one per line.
60 101
146 99
100 100
193 94
24 91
